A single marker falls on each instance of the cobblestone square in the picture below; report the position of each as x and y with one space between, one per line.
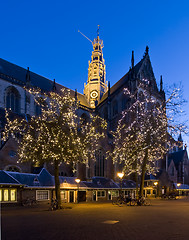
165 219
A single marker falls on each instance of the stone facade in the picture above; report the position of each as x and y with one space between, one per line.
98 98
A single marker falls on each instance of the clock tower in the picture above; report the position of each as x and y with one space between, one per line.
96 84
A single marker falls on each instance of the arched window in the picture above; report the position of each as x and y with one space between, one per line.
115 108
105 113
124 101
37 109
100 164
84 119
12 168
12 99
39 104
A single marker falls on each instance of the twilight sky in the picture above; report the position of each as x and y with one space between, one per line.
43 35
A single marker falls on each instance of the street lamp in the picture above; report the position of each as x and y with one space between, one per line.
120 175
77 181
156 185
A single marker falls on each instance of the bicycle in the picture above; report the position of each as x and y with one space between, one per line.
123 200
54 205
141 201
29 202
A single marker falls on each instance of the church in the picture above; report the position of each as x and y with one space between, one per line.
98 97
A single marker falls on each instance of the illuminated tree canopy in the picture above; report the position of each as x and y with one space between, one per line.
58 134
142 134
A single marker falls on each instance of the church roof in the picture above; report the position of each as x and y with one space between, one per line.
17 75
142 69
177 157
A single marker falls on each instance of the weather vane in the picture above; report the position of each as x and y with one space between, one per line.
85 36
98 31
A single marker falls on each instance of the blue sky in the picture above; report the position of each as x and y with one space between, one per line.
44 36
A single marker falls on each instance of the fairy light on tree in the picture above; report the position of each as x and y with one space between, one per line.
57 135
141 138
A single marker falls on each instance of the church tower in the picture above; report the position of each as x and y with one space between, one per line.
96 84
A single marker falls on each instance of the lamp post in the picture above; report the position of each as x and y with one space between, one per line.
120 175
156 185
77 181
178 185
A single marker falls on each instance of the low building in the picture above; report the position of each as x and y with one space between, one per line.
16 187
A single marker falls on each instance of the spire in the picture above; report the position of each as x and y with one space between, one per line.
98 31
28 75
54 85
180 142
132 60
161 84
180 138
76 94
147 51
96 84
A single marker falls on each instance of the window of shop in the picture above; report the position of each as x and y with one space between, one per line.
115 193
63 195
13 194
101 193
42 195
148 191
8 195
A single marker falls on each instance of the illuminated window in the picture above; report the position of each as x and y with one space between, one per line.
115 193
63 195
0 195
148 191
6 195
13 194
42 195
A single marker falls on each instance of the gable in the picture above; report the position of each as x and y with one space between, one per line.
145 73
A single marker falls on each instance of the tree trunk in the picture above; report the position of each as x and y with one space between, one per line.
143 173
57 184
136 180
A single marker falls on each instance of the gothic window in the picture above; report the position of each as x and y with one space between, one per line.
12 99
172 171
100 164
115 108
39 104
124 102
84 119
37 109
105 113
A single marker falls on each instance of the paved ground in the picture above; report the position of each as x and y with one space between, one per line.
165 220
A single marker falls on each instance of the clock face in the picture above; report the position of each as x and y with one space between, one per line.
94 94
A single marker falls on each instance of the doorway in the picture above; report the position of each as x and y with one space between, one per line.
71 196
